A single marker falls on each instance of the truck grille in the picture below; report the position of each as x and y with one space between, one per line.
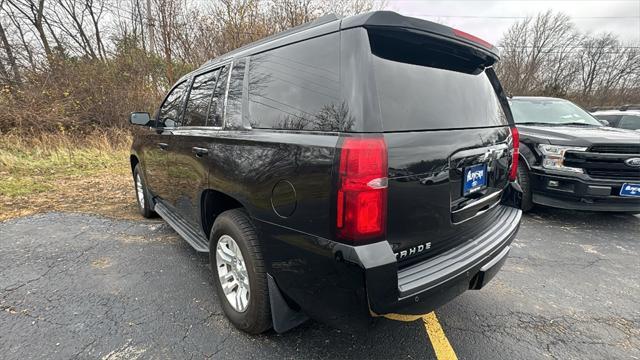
606 161
618 174
616 149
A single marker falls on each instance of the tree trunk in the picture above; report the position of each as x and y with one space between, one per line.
39 25
10 58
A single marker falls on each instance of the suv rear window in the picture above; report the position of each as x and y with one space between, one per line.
631 122
298 87
423 85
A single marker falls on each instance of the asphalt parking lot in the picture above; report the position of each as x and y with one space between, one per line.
83 286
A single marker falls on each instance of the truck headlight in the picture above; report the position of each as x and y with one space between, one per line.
553 157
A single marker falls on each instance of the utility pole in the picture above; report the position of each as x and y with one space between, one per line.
150 26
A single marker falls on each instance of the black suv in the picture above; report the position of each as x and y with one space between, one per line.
572 161
343 170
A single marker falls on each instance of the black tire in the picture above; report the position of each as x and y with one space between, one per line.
256 318
525 184
145 206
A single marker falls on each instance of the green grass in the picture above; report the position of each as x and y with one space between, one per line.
15 187
34 165
60 172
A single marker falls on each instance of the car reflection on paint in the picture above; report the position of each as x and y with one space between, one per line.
435 178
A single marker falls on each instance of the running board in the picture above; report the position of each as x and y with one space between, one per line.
197 241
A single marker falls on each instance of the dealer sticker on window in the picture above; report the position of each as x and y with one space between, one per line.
475 178
629 189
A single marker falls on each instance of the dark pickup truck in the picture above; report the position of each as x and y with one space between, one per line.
571 161
343 170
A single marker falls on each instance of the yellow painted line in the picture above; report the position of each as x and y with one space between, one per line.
400 317
439 341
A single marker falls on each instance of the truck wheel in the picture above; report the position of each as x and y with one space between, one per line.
525 183
239 271
142 194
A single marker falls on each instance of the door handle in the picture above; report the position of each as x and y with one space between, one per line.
163 146
199 151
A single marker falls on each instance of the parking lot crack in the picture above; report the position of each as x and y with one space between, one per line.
219 347
85 347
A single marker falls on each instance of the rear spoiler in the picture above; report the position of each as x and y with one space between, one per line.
390 19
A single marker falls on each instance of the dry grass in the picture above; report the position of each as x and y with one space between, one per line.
61 172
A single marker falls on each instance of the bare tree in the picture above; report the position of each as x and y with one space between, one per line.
546 55
95 14
536 53
167 12
594 52
290 13
9 53
33 11
26 49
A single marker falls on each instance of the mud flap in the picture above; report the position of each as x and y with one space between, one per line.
283 317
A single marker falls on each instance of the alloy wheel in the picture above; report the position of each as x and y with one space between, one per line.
140 191
232 272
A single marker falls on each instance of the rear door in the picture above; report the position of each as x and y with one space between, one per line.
449 143
194 141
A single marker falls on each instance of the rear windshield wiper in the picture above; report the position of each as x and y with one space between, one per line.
534 123
576 124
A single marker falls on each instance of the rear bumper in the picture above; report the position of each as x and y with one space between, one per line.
425 286
346 286
580 192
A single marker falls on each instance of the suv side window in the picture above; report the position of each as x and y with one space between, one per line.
199 99
233 114
171 110
612 119
630 122
216 108
298 87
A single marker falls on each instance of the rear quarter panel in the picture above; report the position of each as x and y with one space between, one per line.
298 251
247 165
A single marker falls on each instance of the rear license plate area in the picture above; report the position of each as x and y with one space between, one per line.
629 189
475 179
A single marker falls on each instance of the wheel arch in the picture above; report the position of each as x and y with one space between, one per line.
523 160
213 203
133 159
527 156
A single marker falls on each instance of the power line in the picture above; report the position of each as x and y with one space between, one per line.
521 17
511 1
577 48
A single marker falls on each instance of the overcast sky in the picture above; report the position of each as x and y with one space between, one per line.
489 19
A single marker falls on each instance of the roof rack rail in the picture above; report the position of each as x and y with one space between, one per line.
317 22
615 107
629 107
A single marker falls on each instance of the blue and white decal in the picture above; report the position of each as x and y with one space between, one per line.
629 189
475 178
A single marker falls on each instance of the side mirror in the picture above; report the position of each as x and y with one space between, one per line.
169 123
604 122
140 118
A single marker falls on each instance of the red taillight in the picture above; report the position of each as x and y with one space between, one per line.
473 38
362 189
513 172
